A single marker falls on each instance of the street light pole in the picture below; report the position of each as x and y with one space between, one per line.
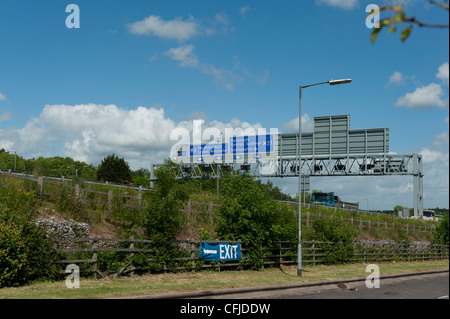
76 171
299 248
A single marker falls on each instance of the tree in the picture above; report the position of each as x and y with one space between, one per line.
163 217
250 214
441 235
114 169
399 17
141 177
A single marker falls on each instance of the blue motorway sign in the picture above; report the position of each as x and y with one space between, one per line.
220 251
209 149
255 146
251 144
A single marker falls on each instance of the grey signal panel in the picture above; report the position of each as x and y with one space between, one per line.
332 136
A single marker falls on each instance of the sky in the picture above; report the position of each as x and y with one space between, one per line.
133 71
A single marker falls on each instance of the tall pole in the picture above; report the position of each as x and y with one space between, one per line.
299 252
299 249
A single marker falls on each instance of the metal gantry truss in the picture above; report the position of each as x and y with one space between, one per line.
329 165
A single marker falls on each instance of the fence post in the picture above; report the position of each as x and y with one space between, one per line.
94 259
364 252
262 254
281 258
110 198
131 253
189 208
193 250
314 252
41 184
77 193
211 211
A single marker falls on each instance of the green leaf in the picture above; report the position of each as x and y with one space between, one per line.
400 17
392 29
405 33
374 35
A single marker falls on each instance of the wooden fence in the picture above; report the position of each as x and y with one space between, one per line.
93 199
94 252
411 227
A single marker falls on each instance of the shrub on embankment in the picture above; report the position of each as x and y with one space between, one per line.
25 250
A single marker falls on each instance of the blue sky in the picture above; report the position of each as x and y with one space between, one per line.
135 70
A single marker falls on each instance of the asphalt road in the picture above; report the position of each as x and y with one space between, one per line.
432 286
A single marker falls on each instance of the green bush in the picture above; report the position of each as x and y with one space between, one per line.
25 251
162 216
441 235
250 214
13 256
337 237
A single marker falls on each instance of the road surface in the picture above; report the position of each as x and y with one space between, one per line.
431 286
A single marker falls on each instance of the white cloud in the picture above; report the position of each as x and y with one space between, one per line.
396 78
184 54
343 4
179 29
2 97
436 177
172 29
228 78
443 72
244 10
441 139
307 124
220 24
5 116
434 157
424 98
221 19
89 132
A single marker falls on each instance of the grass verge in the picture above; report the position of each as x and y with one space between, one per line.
206 280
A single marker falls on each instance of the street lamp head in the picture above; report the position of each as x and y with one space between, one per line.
342 81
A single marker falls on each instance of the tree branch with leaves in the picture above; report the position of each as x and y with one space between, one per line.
399 17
